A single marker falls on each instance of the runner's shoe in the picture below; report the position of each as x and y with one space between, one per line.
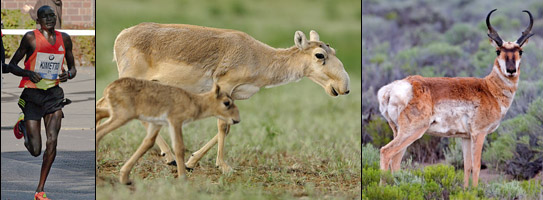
19 129
40 196
66 101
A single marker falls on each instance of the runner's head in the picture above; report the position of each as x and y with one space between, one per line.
46 17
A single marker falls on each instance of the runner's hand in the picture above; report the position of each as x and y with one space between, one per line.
34 77
65 75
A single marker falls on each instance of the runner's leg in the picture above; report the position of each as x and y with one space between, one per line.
52 128
33 137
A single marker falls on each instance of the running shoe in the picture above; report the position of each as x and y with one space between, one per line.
19 129
40 196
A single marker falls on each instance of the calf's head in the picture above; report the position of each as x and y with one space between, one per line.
222 105
324 67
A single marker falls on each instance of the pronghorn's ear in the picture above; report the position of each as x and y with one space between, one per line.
300 40
494 44
313 36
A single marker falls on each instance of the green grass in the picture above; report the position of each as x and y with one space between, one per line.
294 140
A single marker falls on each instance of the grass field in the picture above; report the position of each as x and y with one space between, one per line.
294 140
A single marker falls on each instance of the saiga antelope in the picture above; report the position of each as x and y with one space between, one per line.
469 108
157 104
193 57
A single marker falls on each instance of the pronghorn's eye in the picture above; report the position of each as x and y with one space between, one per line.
520 52
498 52
319 55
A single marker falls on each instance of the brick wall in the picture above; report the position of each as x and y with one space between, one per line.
74 12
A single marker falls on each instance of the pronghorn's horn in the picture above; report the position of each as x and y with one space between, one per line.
526 33
491 32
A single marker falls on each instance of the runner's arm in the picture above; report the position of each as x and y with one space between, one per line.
69 59
18 56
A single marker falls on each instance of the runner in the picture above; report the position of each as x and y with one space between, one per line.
45 50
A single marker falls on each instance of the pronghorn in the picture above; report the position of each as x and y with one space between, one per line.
193 57
157 104
469 108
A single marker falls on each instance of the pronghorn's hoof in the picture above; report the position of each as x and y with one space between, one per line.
172 163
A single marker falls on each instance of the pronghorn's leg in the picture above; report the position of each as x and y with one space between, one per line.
164 148
176 133
397 160
146 144
223 131
406 136
468 160
477 141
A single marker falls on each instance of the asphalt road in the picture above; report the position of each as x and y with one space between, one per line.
73 173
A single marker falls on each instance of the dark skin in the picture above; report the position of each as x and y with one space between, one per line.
52 121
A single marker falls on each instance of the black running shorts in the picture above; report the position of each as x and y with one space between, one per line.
37 103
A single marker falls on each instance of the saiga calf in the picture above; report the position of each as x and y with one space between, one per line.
129 98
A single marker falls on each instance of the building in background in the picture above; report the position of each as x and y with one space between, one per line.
75 13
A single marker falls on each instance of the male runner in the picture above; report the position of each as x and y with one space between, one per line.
45 50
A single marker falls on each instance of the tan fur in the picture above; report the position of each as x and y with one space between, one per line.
129 98
469 108
193 57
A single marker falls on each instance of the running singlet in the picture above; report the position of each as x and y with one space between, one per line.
46 60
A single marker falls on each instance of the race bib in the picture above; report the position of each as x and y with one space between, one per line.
48 65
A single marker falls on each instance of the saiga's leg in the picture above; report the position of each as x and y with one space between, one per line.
109 125
466 150
146 144
223 131
164 148
196 156
176 132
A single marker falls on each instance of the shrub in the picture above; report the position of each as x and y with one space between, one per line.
376 192
432 190
444 175
465 195
370 157
15 19
370 176
505 190
453 153
533 188
380 131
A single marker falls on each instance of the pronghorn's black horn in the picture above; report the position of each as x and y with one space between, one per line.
526 33
491 32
